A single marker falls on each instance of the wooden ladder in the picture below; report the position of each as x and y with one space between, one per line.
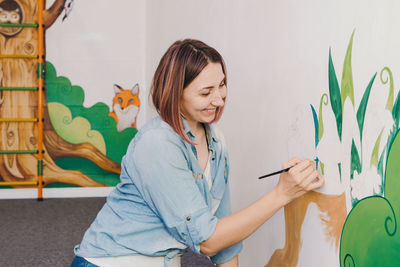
40 86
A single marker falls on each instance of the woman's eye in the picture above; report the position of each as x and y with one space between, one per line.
205 92
222 85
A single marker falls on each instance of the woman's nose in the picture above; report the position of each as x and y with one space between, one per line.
218 100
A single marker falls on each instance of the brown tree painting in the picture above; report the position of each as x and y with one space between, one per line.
22 72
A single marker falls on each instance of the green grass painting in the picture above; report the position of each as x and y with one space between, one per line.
370 236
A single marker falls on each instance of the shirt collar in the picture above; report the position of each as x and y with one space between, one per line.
210 134
186 128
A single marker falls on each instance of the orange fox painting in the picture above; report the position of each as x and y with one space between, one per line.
126 104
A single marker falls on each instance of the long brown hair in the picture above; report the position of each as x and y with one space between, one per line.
179 66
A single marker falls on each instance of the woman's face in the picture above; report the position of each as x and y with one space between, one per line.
203 95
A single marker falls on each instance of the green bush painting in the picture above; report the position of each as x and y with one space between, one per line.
370 235
78 124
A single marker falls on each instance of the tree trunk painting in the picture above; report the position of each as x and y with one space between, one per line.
16 72
333 215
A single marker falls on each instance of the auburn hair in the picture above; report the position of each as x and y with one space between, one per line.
178 67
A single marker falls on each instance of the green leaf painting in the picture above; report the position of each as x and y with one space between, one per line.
318 121
375 151
315 125
334 94
347 76
380 173
391 138
363 107
380 164
324 101
355 164
396 110
322 167
370 236
389 103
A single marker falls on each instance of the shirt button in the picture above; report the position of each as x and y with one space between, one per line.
188 218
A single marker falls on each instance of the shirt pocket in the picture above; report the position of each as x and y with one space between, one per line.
221 180
200 182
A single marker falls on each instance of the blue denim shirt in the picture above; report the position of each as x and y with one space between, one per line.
162 204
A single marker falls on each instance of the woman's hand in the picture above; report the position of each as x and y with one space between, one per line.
301 178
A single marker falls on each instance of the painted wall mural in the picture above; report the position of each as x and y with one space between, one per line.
82 146
354 122
126 104
90 127
359 157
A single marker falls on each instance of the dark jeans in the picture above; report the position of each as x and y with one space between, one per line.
81 262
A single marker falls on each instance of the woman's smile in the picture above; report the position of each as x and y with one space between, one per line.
210 111
204 95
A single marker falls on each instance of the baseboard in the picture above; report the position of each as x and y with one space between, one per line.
73 192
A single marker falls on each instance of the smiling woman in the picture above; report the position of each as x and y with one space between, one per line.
188 69
203 96
174 190
200 101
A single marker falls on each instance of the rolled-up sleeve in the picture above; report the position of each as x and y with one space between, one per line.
161 172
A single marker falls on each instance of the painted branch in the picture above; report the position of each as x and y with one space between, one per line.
58 147
27 168
54 174
51 14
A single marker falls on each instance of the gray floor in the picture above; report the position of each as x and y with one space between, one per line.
34 233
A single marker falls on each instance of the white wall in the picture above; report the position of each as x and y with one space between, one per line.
99 44
277 60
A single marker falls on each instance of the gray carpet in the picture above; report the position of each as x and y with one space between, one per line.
34 233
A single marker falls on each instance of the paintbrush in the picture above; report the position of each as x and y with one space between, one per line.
278 172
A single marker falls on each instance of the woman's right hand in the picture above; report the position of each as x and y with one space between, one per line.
301 178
